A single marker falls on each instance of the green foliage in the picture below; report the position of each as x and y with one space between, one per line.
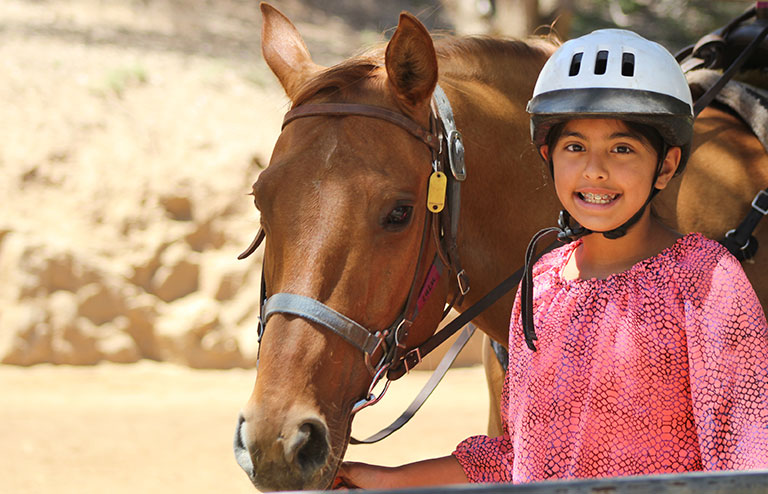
673 23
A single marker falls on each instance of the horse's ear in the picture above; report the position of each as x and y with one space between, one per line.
411 61
284 50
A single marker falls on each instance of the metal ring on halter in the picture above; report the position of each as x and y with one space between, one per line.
370 398
730 233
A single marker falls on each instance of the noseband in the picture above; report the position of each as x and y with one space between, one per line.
384 350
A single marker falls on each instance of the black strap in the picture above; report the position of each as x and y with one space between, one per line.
526 298
740 242
426 391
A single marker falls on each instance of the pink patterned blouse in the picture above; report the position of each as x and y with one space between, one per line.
662 368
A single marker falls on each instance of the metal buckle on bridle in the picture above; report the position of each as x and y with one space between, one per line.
756 206
463 281
417 352
456 155
382 343
401 333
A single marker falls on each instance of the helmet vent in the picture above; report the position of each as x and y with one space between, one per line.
628 64
601 62
575 64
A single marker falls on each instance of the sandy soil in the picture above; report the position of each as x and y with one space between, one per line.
159 428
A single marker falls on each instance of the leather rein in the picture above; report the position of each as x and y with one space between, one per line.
384 351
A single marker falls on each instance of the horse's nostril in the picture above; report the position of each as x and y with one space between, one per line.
309 446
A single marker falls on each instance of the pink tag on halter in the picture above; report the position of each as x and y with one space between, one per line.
429 285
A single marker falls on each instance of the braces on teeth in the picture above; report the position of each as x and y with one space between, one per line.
598 198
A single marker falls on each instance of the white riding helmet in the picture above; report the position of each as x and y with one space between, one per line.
614 73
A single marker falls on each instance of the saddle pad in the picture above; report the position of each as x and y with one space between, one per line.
749 102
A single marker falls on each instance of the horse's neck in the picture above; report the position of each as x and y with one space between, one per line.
508 194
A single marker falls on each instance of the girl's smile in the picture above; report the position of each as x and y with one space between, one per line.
597 197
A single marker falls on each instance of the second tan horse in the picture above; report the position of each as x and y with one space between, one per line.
342 204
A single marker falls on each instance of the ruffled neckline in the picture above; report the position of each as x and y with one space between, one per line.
680 245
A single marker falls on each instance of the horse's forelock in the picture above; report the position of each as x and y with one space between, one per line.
339 77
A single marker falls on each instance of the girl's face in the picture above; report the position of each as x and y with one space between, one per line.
604 171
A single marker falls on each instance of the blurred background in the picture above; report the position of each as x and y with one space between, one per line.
132 130
130 134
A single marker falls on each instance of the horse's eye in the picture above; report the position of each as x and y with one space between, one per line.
398 218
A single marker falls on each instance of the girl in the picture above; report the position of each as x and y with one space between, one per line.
651 351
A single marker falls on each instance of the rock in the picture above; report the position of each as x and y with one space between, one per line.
75 344
115 343
99 303
142 316
18 280
206 236
25 337
144 269
178 207
190 333
223 275
178 274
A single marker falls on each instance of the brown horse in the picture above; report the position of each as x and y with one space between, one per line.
342 204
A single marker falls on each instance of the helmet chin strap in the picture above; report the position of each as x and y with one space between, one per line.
567 233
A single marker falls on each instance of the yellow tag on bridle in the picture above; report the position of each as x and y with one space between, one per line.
436 194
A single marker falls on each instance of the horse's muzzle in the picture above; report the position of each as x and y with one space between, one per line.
295 459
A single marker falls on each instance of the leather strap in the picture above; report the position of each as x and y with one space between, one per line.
426 391
347 109
315 311
257 240
414 356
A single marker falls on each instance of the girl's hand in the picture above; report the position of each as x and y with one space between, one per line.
353 475
437 471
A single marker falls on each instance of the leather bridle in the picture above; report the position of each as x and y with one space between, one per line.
384 351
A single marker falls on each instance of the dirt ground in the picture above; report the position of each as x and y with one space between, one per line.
158 428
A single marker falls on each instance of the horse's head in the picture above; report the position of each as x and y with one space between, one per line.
343 206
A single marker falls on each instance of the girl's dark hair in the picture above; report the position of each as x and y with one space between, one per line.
646 132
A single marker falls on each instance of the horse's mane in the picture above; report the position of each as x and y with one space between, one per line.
483 57
472 57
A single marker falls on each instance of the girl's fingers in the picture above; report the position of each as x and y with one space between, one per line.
341 484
